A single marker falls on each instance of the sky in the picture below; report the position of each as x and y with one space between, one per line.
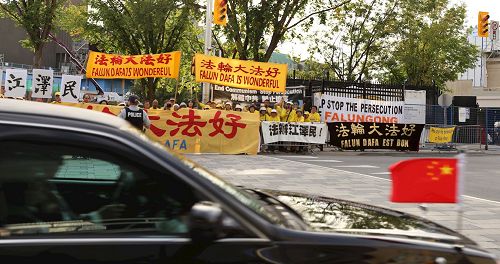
296 48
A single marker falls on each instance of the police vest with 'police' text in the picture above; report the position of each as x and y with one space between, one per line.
135 117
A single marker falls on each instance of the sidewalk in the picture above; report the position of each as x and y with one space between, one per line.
481 221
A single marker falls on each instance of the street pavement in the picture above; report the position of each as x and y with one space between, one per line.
363 177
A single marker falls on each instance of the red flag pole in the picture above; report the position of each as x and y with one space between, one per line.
461 176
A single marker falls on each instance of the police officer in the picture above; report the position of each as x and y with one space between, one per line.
133 114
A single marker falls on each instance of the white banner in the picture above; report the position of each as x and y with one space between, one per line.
43 81
15 82
70 88
315 133
414 107
343 109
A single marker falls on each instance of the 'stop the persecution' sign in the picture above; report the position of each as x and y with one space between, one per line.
241 73
114 66
342 109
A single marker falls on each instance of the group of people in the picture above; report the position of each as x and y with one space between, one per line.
279 112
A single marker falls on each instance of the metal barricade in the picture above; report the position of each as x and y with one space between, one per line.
464 136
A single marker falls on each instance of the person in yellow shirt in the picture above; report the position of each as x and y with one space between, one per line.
306 117
263 114
274 116
287 114
299 118
58 98
314 116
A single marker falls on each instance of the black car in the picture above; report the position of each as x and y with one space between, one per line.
78 186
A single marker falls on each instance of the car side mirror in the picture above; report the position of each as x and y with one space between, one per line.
205 222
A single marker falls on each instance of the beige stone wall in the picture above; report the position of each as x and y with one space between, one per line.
460 87
493 74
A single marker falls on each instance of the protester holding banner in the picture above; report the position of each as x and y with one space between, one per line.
314 115
155 104
306 117
57 98
263 114
86 98
299 118
228 106
274 116
287 114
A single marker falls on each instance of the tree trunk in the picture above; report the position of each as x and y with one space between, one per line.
37 57
150 89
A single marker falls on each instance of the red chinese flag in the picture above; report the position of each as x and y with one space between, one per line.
425 181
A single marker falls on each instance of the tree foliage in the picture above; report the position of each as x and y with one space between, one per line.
354 35
136 27
418 42
255 28
37 17
433 46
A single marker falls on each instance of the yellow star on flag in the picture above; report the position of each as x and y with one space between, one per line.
446 170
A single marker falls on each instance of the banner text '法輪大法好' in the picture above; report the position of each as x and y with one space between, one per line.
115 66
241 73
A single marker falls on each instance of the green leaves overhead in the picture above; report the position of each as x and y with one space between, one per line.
36 17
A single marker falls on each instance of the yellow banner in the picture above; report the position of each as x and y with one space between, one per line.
114 66
240 73
441 135
197 131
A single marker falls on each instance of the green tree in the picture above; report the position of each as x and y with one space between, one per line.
432 47
37 17
134 27
255 28
352 38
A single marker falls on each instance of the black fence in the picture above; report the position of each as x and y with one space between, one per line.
366 90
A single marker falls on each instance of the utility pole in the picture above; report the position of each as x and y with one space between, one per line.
208 46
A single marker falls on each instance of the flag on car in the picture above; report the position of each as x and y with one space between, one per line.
433 180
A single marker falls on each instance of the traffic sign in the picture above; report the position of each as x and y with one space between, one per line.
494 30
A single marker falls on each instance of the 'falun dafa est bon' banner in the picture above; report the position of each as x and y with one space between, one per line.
114 66
240 73
197 131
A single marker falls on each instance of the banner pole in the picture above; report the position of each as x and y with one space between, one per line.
461 176
208 46
176 90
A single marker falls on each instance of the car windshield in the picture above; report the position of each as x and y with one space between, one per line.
250 201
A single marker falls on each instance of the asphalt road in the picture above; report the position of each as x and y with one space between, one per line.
482 178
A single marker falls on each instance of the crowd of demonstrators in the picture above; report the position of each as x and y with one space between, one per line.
277 112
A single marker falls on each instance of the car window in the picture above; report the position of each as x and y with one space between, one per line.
53 189
87 168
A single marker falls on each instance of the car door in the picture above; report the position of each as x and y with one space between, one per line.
71 197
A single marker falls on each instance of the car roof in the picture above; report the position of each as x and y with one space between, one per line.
60 111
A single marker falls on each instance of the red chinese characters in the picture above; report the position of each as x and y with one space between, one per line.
156 130
164 58
272 72
116 60
148 60
240 68
224 67
101 60
218 122
130 59
191 126
257 71
207 64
